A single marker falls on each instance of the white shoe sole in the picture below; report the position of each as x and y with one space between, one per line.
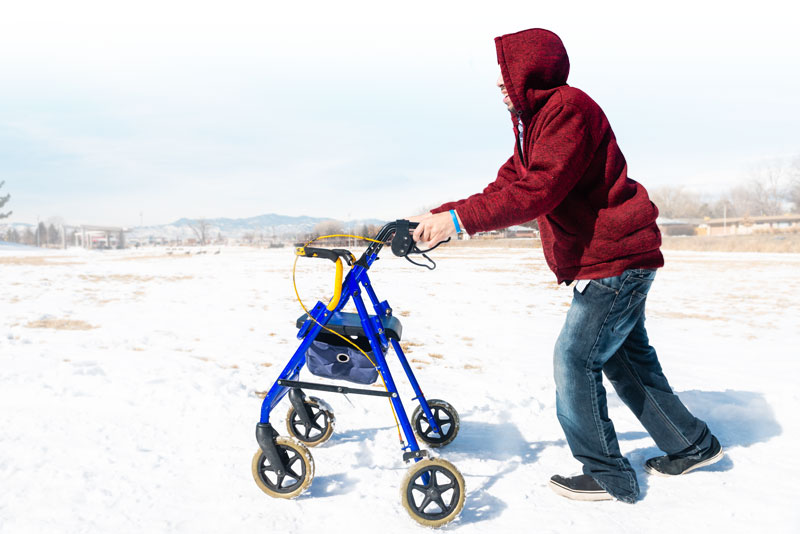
714 459
575 495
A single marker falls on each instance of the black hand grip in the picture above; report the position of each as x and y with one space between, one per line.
332 254
402 242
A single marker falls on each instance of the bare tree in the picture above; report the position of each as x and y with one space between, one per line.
767 189
41 234
12 235
764 194
53 235
677 203
534 224
722 207
28 237
330 227
200 227
772 186
3 201
367 230
793 190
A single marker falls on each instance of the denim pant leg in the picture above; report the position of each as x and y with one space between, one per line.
636 375
598 322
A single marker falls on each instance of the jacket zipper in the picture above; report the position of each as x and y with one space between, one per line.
519 137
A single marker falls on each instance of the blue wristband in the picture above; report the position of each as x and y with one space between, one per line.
455 221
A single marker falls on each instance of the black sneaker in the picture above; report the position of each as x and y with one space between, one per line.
579 488
670 466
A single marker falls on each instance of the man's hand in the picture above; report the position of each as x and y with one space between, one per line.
433 228
419 218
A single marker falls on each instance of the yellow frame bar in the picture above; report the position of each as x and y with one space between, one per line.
337 290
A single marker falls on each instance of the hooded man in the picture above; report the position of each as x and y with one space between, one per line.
597 228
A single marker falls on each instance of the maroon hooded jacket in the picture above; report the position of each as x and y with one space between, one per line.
569 174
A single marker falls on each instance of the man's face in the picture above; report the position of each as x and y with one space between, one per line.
506 99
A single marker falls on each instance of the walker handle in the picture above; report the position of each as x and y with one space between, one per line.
332 254
335 255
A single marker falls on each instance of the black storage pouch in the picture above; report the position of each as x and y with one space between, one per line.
340 362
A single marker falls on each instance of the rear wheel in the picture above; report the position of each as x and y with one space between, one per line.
298 467
321 427
446 418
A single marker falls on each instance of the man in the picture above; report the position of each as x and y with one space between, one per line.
597 228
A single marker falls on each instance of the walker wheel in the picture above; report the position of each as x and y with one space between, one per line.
446 418
297 463
433 492
321 428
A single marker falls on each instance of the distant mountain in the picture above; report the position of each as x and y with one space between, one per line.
256 224
267 226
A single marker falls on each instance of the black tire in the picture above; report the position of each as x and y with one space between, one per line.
299 468
446 418
323 423
438 500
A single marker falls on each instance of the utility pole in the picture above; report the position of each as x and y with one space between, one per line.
725 219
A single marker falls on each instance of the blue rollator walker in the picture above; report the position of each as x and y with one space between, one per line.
353 347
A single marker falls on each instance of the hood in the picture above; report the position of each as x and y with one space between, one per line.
532 62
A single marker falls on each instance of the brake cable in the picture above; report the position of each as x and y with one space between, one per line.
308 314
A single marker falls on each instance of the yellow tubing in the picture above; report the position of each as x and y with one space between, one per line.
337 290
337 296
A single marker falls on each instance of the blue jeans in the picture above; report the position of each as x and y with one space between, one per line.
604 332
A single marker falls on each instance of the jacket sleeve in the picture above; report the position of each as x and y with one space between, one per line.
559 157
505 176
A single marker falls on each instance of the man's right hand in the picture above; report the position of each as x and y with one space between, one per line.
434 228
420 218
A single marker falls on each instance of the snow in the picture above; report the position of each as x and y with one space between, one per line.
17 247
129 381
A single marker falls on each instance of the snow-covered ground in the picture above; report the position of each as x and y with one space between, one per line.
129 389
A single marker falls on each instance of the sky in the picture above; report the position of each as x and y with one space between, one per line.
128 113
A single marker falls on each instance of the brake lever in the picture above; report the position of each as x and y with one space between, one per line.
416 250
430 267
404 245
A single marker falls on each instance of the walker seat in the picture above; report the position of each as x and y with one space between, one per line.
349 324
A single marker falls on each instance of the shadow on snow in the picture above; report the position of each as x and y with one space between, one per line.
736 418
501 442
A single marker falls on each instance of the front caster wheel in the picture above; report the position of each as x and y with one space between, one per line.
446 418
321 427
433 492
298 469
